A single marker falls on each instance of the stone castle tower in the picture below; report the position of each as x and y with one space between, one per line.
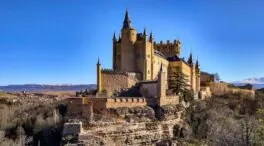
137 54
133 51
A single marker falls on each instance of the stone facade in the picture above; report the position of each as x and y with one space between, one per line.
115 81
85 106
138 53
139 60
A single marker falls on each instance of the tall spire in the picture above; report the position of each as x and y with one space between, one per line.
98 62
144 32
114 38
119 38
127 22
150 36
197 64
190 60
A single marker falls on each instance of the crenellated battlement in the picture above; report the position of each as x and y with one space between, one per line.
111 71
127 100
168 48
132 75
168 43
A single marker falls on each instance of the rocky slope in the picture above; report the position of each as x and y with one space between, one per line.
136 126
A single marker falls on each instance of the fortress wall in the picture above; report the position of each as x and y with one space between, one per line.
112 81
102 103
74 106
87 110
126 102
99 104
246 92
222 88
157 61
205 93
170 100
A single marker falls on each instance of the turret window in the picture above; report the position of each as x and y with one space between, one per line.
119 57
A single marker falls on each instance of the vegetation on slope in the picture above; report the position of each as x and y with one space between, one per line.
23 119
230 119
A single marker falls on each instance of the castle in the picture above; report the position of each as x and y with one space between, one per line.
140 57
141 73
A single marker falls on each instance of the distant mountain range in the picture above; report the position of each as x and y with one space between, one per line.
256 82
41 88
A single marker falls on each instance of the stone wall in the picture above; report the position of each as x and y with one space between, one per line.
222 88
205 93
169 100
86 106
149 89
112 81
74 106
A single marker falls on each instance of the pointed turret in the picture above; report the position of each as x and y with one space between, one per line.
114 38
119 38
190 60
197 66
98 61
99 77
144 32
127 22
150 37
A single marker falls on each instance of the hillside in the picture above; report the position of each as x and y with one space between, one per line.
256 82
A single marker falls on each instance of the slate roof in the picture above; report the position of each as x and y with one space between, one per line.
176 58
158 53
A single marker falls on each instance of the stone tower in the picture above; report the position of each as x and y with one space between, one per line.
161 87
114 51
99 77
128 38
198 76
192 73
178 47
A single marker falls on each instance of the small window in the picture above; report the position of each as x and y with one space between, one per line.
148 56
148 72
119 57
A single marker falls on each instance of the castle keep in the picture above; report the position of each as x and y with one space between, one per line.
138 59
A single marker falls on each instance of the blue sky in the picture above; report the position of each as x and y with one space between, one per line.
57 42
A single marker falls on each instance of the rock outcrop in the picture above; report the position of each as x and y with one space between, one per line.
136 126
